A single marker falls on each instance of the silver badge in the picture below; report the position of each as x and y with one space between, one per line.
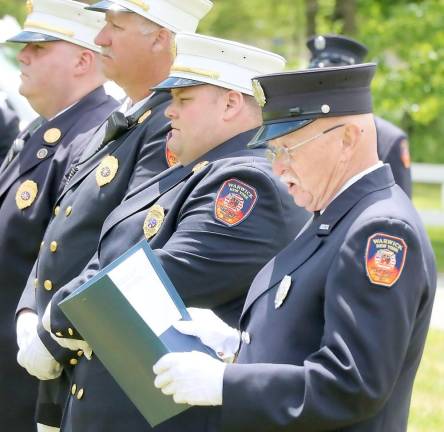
42 153
282 291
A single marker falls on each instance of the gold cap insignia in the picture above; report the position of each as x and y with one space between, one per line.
42 153
282 292
200 166
107 170
51 136
26 194
153 221
29 7
144 116
258 93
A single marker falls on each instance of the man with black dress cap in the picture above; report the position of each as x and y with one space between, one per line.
393 145
333 327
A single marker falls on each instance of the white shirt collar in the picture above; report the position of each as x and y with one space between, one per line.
353 180
127 108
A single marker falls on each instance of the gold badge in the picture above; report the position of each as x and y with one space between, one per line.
26 194
200 166
282 292
153 221
107 170
42 153
144 116
258 93
51 136
29 7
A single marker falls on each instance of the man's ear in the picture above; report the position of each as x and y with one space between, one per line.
85 61
162 41
234 101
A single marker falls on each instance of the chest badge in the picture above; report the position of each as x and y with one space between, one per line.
107 170
51 136
153 221
26 194
282 291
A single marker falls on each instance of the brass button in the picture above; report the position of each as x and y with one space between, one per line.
71 331
53 246
68 211
36 283
80 394
56 210
59 334
48 285
73 389
73 361
79 353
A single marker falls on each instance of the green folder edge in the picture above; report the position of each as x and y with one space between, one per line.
133 373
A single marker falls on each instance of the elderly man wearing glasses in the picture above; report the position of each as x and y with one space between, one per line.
333 327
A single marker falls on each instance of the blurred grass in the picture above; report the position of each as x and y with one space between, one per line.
427 196
427 409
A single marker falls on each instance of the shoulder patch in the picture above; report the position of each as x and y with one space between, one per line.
384 258
234 202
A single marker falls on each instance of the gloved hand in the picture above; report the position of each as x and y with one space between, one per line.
71 344
193 377
37 360
212 331
26 326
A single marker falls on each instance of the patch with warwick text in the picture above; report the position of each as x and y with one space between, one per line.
384 258
234 202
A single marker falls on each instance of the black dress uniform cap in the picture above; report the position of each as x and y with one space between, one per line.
335 50
295 99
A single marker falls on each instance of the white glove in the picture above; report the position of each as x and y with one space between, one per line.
212 331
71 344
45 428
26 327
38 361
193 377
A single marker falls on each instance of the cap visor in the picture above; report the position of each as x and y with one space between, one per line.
105 5
275 130
174 82
27 36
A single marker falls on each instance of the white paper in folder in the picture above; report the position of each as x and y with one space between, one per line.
137 280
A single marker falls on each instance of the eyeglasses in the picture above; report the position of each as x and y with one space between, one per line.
274 153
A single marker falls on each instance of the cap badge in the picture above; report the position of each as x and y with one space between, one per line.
320 43
200 166
325 109
282 291
26 194
51 136
144 116
42 153
258 93
141 3
153 221
29 7
107 170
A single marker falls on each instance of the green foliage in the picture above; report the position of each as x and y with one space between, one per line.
16 8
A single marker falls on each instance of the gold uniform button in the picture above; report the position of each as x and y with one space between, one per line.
80 394
51 136
48 285
73 361
53 246
56 210
68 211
73 389
71 331
59 334
79 353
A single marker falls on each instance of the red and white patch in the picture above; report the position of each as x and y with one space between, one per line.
234 202
405 153
384 258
